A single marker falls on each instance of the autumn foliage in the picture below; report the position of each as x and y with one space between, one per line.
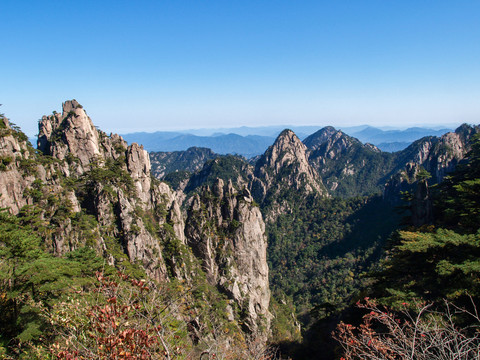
123 322
421 334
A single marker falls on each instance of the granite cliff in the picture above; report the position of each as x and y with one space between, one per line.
226 231
87 188
285 166
437 155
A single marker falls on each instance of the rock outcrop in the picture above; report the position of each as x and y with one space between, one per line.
285 164
348 167
438 156
16 169
91 189
87 173
226 230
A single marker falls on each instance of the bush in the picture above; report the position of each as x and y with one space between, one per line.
423 333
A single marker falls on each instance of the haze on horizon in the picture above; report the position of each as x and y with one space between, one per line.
159 66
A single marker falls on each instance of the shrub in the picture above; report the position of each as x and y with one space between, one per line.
421 334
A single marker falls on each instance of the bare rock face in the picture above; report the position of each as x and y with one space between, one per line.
285 163
140 245
72 134
14 179
226 231
75 131
138 165
439 156
115 186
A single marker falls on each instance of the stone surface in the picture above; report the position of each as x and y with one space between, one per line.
285 164
437 155
227 232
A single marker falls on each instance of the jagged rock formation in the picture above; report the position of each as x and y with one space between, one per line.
96 191
285 165
72 135
89 177
115 185
226 230
15 179
438 156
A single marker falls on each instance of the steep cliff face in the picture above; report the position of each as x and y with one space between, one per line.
15 177
90 178
226 231
70 133
285 165
90 189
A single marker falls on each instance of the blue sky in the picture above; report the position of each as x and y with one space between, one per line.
163 65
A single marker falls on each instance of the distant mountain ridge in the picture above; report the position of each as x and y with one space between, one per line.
342 164
247 146
252 141
395 140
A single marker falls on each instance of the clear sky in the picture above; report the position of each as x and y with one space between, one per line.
172 64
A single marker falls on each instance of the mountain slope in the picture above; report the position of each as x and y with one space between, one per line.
189 160
437 155
348 167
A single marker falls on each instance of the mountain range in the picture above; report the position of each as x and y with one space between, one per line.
248 254
249 142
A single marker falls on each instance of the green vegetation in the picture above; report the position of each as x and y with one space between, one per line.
174 179
359 171
319 249
31 282
77 306
441 261
227 167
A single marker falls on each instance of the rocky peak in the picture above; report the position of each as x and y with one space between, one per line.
286 149
138 165
285 163
322 136
70 132
347 166
437 155
114 184
330 142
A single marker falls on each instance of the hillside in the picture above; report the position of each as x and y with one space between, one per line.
189 160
